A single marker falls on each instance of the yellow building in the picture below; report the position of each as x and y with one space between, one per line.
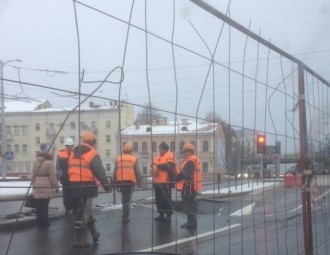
28 124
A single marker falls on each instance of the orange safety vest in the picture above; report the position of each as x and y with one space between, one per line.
197 174
125 168
63 154
162 176
79 168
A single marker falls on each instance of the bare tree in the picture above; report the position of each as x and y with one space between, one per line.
147 115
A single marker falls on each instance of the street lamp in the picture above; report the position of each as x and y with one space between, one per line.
3 124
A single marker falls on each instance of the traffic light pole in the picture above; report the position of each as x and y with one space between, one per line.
305 195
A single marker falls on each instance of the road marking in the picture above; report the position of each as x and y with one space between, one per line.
180 241
247 210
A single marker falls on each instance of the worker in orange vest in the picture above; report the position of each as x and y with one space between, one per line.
189 182
126 175
62 163
85 168
162 169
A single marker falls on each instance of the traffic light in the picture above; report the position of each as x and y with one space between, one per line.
261 144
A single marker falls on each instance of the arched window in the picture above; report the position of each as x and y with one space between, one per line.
135 147
154 146
172 146
144 147
181 145
205 146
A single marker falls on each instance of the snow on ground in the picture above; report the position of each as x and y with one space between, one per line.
14 188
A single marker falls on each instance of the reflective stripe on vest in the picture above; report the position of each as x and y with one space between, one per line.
125 168
197 174
79 168
162 176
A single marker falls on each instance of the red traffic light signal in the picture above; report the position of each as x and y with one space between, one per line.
261 143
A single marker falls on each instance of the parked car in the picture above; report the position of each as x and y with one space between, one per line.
318 168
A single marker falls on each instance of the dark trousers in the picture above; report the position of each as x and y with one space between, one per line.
67 200
42 212
163 198
126 189
189 202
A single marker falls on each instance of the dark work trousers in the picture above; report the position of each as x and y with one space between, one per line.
42 212
126 189
82 211
189 202
67 200
163 198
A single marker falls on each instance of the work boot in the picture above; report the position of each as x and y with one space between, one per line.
79 238
168 218
191 222
92 228
160 217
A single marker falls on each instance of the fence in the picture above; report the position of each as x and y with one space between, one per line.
221 73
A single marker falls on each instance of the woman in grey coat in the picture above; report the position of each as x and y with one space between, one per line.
44 183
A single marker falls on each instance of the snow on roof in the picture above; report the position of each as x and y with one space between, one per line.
45 106
23 106
171 128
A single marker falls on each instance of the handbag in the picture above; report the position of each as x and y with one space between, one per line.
30 202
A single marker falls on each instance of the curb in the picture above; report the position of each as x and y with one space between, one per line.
23 221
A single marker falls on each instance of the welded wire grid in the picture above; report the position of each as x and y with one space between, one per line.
249 89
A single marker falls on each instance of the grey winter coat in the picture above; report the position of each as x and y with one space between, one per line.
44 180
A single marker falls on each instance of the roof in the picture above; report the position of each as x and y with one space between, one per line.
189 128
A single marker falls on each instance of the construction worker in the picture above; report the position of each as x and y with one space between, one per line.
126 175
161 171
62 163
189 182
85 169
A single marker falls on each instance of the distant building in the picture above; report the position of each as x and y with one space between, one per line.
28 124
207 137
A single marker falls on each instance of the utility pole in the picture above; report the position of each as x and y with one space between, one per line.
3 127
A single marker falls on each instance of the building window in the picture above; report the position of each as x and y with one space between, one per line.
37 126
205 167
205 146
154 146
61 140
135 147
72 125
181 145
144 168
108 124
25 148
16 148
16 130
108 139
83 126
8 147
24 130
172 146
37 140
93 124
8 130
144 147
108 167
107 153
